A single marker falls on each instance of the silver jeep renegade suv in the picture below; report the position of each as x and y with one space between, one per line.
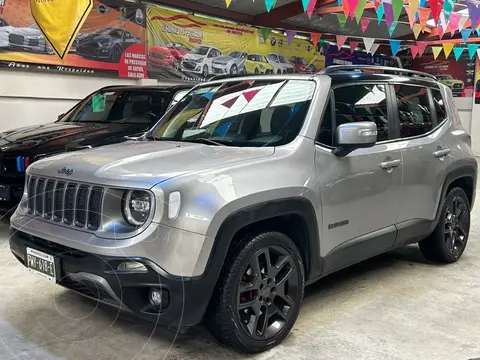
249 189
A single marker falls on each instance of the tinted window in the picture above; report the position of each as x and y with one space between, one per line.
413 110
439 105
366 102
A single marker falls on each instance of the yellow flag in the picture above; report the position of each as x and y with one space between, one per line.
447 49
416 30
413 5
60 21
436 51
228 2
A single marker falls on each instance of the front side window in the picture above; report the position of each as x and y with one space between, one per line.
200 50
414 110
121 106
362 102
242 113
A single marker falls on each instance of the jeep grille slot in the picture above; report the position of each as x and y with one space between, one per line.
40 193
95 207
58 202
81 206
69 208
48 206
31 194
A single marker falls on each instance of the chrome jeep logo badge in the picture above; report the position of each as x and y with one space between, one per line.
65 171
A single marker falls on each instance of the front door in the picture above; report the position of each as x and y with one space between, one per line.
361 191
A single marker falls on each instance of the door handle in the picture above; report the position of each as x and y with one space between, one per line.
389 165
441 153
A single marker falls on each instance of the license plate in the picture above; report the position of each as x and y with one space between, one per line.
41 264
4 192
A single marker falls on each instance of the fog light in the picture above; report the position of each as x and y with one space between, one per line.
132 266
155 297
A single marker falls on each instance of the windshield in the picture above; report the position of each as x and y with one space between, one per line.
283 59
121 106
236 54
243 113
200 50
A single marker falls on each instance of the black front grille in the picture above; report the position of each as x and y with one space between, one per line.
88 288
15 39
189 65
217 70
69 202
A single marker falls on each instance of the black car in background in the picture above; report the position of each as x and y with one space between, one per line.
106 44
110 115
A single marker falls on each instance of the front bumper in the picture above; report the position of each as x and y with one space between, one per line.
184 300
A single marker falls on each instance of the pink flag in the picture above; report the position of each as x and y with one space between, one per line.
353 45
249 95
341 40
352 6
364 21
411 17
421 47
311 7
414 50
454 20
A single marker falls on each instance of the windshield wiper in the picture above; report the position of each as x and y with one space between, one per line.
206 141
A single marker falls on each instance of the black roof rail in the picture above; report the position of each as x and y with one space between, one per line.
385 69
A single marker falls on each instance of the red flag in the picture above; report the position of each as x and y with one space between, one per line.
249 95
315 38
364 21
353 45
421 47
414 50
436 7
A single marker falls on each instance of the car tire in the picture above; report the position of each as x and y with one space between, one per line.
234 70
449 239
115 54
279 71
256 71
48 49
205 71
254 310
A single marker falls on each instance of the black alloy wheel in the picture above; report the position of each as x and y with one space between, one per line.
456 225
116 54
233 70
266 291
205 71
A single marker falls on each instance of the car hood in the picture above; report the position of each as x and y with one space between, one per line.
93 38
143 163
193 57
56 137
222 59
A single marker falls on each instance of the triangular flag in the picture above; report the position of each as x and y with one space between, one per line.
447 8
228 2
377 3
374 48
388 14
269 4
230 102
368 42
442 22
436 51
461 22
435 8
440 31
380 12
421 47
423 15
346 10
395 46
359 10
458 52
353 46
472 48
352 6
305 5
416 30
58 21
341 40
473 13
447 49
392 28
397 8
265 31
364 21
342 19
465 34
413 5
454 19
315 38
411 16
311 7
249 95
414 50
290 35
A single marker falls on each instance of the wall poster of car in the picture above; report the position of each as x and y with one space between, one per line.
195 48
459 75
111 41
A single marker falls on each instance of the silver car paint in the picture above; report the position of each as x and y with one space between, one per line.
214 182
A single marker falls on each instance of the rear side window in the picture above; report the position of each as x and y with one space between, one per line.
413 110
439 105
365 102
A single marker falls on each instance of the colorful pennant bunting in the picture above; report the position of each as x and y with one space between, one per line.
447 49
472 48
474 14
411 16
269 4
228 2
265 31
421 47
368 42
458 52
311 8
374 48
416 30
352 6
461 22
341 40
290 35
436 51
315 38
447 8
392 28
359 9
394 46
305 5
388 14
423 15
440 31
435 9
353 46
364 22
380 12
397 6
341 18
413 5
454 20
414 50
465 34
346 10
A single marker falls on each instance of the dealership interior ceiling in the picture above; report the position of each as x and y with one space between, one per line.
289 14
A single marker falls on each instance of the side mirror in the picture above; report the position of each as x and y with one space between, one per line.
351 136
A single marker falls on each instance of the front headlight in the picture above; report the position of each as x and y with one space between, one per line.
136 207
198 60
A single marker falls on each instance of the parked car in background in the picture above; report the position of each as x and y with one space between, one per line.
106 44
108 116
456 85
301 66
280 64
199 60
233 63
5 30
169 55
29 39
258 64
